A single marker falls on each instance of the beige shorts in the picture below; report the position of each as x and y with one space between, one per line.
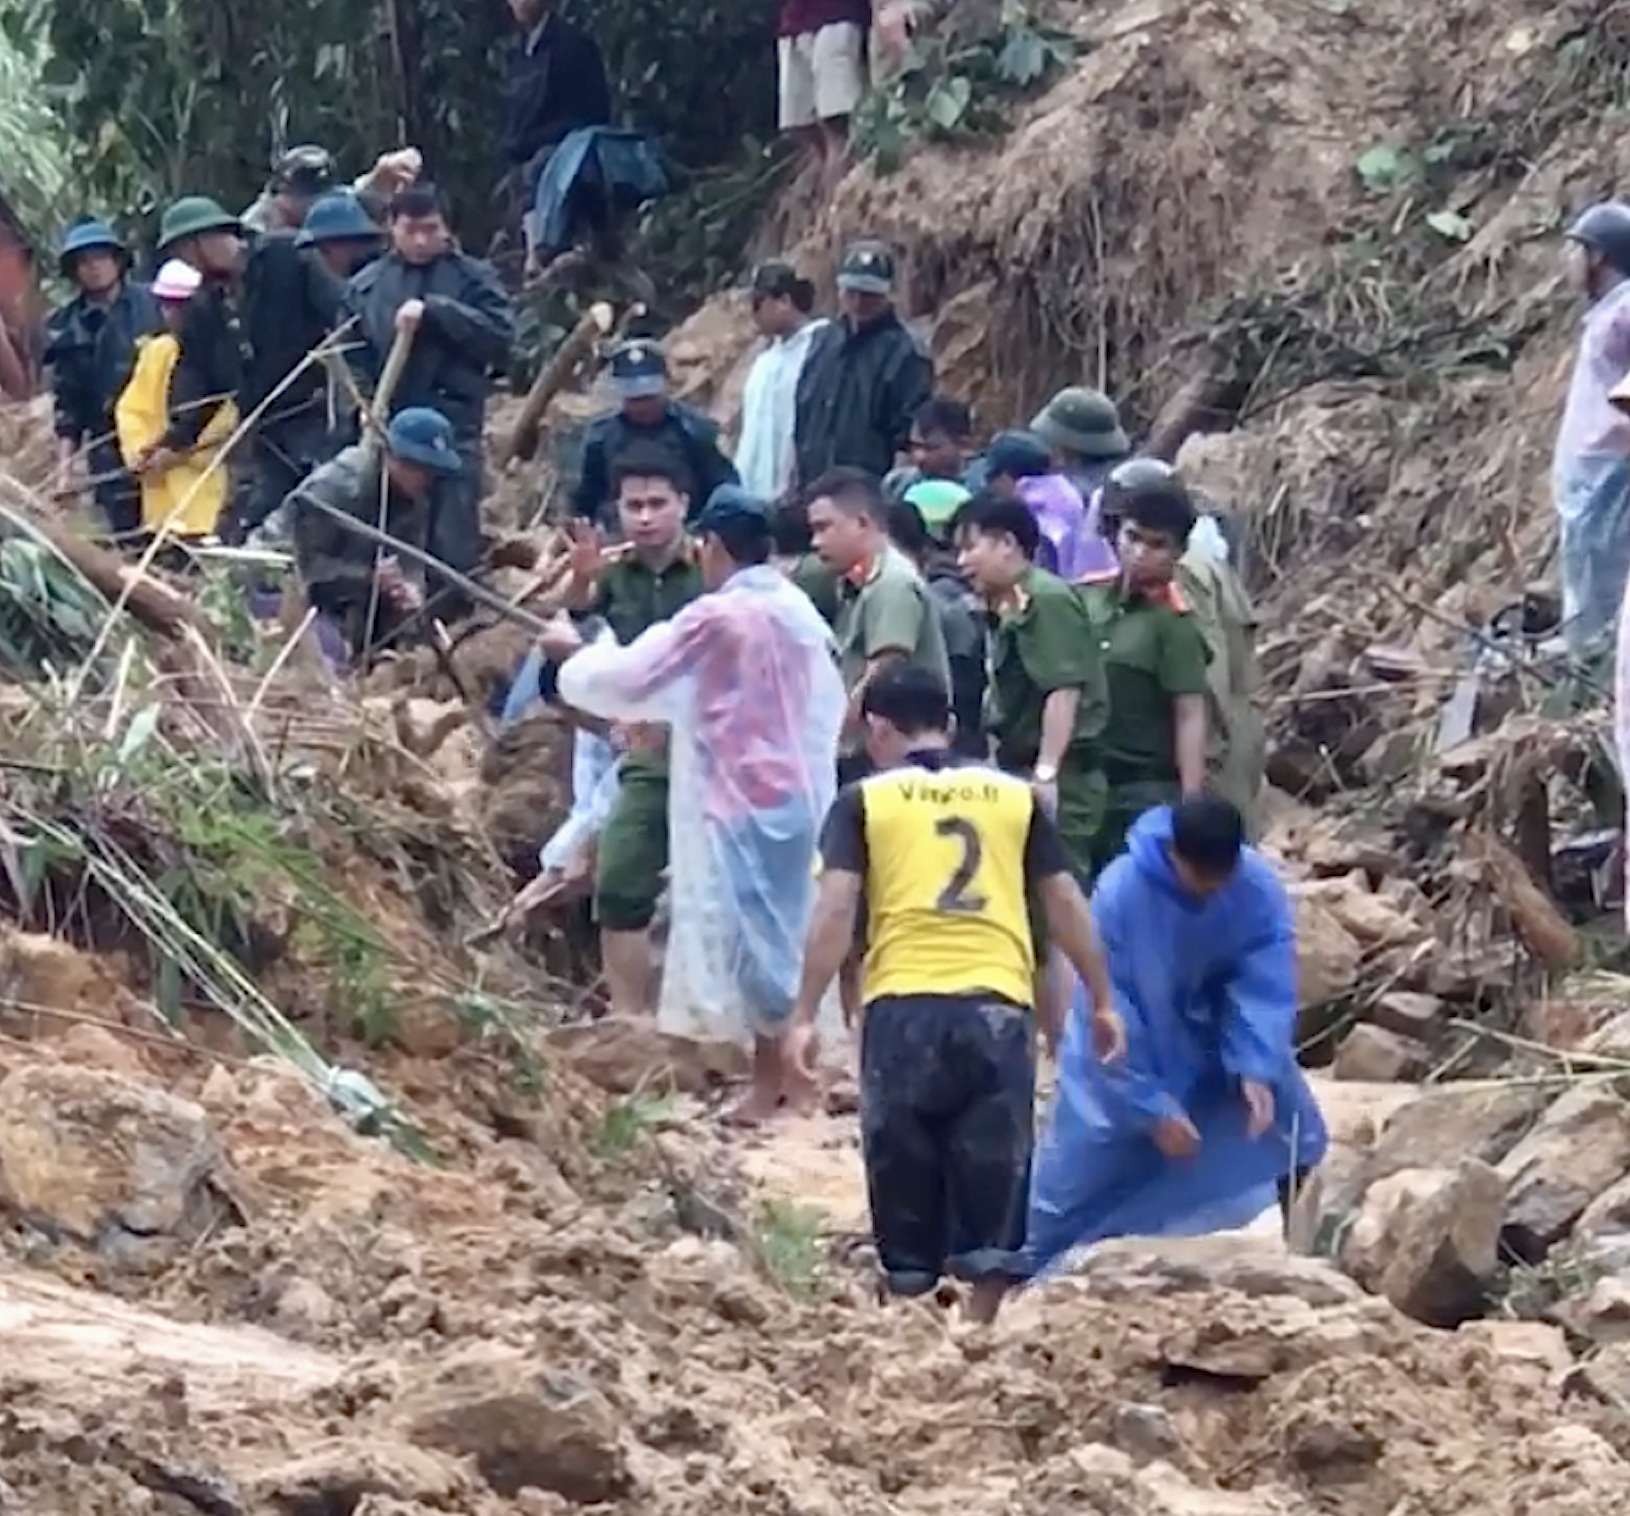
823 74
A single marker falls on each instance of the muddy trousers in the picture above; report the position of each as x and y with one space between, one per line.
947 1109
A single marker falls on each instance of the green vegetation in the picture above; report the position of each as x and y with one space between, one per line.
792 1241
957 86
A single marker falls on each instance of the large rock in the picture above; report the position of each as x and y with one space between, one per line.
1327 955
522 1424
1455 1121
1181 1265
104 1159
1373 1055
1579 1149
1428 1239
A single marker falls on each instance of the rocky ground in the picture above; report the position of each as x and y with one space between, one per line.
218 1298
538 1279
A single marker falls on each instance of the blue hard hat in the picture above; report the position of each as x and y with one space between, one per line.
337 217
638 369
89 236
425 437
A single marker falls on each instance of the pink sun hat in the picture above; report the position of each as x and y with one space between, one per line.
177 281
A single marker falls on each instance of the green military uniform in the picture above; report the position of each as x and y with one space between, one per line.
889 608
1153 654
1237 740
816 580
1043 644
633 853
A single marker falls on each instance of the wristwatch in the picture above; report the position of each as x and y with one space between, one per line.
1045 773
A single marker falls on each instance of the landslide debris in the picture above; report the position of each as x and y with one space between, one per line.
529 1329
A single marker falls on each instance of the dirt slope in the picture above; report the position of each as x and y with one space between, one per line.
527 1327
1333 224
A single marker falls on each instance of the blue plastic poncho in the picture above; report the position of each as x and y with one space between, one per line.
745 679
1208 991
1590 478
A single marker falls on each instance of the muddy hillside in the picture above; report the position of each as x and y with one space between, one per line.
320 1200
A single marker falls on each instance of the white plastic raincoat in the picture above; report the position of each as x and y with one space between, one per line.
769 403
746 682
1590 478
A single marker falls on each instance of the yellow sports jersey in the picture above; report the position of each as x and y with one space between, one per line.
946 851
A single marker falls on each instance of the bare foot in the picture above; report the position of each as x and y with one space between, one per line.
756 1107
802 1093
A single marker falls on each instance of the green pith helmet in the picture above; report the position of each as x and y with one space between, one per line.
1083 421
192 216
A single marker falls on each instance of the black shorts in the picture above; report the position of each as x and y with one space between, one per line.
947 1112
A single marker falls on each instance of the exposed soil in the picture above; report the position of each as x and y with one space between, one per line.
217 1297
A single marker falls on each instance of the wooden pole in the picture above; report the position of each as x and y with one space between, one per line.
522 442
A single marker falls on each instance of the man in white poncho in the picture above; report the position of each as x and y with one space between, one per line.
746 681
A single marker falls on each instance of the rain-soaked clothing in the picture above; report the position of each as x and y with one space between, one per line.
946 852
744 679
90 348
947 1094
1207 988
1590 479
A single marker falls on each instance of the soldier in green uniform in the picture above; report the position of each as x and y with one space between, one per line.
1047 703
651 577
1153 649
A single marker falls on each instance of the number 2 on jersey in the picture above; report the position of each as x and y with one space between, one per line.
958 898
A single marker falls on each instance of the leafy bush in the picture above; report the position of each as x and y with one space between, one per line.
954 86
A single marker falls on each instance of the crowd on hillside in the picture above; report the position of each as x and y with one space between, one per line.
862 709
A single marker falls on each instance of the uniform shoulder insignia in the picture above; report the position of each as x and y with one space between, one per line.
1098 578
1178 601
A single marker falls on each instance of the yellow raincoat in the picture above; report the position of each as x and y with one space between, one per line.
142 416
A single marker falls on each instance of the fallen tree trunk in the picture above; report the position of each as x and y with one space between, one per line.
522 441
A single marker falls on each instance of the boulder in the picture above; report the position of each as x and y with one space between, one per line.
1608 1215
1428 1239
1327 954
1456 1121
1182 1265
104 1159
1579 1149
623 1057
1102 1478
521 1424
1371 1054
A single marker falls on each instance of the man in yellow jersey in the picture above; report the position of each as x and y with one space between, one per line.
941 853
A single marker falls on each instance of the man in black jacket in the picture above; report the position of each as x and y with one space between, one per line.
90 346
463 323
293 299
646 414
555 82
866 375
214 348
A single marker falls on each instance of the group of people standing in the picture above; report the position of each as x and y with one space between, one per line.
874 712
236 380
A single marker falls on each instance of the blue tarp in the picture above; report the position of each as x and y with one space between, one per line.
615 170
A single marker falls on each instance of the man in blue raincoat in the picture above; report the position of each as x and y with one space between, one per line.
1208 1113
